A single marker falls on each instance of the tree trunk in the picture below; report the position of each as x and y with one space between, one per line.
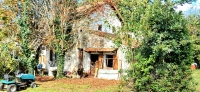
60 62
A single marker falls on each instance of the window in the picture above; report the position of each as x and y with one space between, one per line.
129 36
101 42
69 29
43 48
14 54
100 27
113 29
84 41
51 55
68 33
109 60
52 61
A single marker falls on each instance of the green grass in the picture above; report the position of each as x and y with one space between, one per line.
60 87
71 88
65 85
196 76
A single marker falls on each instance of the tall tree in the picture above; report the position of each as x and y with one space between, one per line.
165 54
53 21
8 37
25 33
194 27
65 15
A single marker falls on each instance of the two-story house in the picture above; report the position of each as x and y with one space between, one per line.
94 50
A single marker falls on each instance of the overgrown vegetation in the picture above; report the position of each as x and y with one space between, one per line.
8 38
196 77
25 32
37 22
194 27
62 28
165 36
165 53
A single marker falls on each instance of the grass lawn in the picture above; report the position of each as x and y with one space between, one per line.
71 88
76 85
196 76
88 85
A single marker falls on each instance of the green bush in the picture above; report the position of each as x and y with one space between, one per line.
163 60
164 57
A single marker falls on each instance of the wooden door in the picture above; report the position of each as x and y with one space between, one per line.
100 61
115 62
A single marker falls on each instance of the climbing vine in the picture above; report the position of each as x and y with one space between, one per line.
25 33
63 35
58 45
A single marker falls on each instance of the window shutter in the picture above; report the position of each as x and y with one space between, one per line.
115 62
45 59
40 59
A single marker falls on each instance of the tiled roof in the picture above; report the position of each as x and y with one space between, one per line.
100 49
88 9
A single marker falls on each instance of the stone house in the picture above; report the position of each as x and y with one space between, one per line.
94 47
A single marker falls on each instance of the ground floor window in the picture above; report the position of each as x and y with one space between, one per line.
52 58
103 61
109 60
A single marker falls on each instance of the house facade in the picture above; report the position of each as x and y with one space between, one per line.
94 50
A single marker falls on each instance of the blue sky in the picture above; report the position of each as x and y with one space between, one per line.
187 9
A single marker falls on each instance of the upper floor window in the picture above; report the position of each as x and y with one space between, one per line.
113 29
100 27
68 30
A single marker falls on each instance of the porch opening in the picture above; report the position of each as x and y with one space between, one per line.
94 59
106 57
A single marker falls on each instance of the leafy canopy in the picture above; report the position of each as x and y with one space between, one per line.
165 53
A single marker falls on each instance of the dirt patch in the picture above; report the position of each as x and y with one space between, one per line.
94 83
44 78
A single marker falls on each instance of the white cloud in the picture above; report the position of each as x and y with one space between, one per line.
184 7
189 8
198 4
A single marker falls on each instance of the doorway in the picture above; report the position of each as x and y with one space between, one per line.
94 58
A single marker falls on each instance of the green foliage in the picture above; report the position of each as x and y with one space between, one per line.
25 33
195 75
63 36
31 17
164 57
60 62
7 63
8 32
194 27
58 47
132 12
